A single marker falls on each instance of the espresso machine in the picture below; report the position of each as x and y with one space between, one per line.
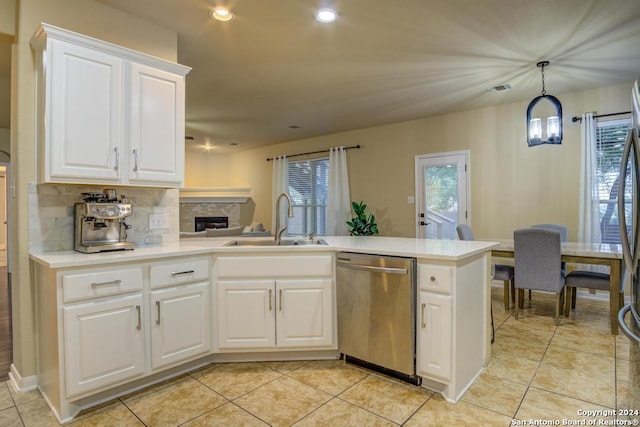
100 222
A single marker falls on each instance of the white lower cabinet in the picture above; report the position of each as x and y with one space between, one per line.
434 335
453 340
275 313
269 302
180 325
102 328
103 343
245 314
304 316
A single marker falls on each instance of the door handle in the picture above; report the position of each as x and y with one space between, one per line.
424 223
138 309
117 164
135 160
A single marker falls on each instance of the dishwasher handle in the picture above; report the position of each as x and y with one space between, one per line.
348 264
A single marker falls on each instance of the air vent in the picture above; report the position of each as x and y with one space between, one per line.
500 88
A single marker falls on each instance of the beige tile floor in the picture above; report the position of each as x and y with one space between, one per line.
538 372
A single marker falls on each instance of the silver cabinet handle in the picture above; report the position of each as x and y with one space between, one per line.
179 273
135 160
280 295
139 310
158 311
424 324
270 295
117 165
110 282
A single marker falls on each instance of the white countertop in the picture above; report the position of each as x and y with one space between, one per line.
452 250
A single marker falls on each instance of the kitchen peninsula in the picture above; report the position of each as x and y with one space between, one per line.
114 322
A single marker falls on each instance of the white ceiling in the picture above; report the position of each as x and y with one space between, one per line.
382 61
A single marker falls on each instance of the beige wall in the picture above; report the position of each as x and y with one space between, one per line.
5 141
7 17
206 170
512 185
83 16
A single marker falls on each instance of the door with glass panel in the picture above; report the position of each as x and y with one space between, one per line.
441 194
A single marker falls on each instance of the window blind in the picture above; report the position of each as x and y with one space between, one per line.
308 188
610 139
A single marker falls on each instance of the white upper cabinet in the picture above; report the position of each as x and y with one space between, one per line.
107 114
85 138
157 123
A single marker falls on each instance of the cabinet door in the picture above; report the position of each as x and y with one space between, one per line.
180 325
246 314
304 313
83 124
103 343
434 337
156 130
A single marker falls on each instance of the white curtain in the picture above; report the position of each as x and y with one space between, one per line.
280 185
339 201
589 217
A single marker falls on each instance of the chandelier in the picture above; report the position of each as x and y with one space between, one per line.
553 134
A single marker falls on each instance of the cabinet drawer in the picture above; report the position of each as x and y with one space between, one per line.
435 277
179 271
76 287
271 266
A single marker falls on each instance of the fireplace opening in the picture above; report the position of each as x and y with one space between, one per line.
204 222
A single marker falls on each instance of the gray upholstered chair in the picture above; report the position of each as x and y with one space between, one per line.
537 265
564 237
564 231
498 271
590 280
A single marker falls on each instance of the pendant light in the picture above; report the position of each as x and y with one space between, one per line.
553 133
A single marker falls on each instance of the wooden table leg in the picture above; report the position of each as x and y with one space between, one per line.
614 293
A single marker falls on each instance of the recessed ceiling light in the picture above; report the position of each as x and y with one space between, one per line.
326 15
222 14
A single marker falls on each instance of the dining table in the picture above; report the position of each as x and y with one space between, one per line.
584 253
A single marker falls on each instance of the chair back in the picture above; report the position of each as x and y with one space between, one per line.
564 231
537 254
464 232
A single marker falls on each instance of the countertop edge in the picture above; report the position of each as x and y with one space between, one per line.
393 246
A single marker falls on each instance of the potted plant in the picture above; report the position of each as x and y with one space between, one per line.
361 224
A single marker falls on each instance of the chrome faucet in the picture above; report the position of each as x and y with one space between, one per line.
280 230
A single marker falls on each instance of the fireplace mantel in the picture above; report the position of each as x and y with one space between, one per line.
215 194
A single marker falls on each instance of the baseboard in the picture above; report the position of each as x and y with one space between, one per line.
20 383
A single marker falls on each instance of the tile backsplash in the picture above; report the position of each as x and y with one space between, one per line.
51 214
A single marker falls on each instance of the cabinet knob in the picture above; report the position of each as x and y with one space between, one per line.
432 278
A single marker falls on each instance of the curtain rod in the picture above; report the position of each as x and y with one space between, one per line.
315 152
579 119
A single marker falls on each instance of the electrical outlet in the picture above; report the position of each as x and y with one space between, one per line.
158 221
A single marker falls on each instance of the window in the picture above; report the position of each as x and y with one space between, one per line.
610 139
308 188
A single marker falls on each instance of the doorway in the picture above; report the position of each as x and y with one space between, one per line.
442 192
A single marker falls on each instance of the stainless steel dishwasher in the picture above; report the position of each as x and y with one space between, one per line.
376 297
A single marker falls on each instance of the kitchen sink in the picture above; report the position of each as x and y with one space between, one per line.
287 242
